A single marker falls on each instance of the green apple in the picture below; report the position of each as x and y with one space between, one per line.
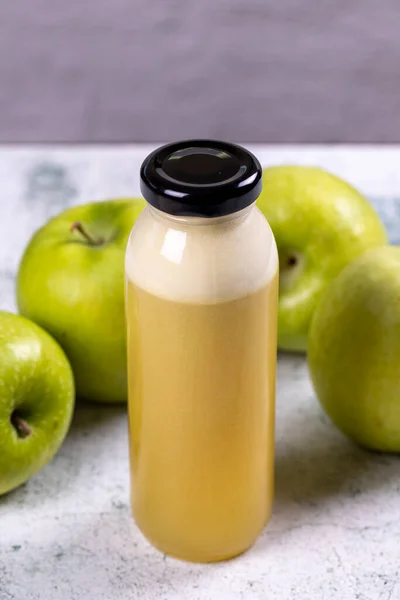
36 399
354 350
71 282
320 224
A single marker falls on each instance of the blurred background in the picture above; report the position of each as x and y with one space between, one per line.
155 70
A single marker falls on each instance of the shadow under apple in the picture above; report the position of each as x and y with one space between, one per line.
98 434
320 474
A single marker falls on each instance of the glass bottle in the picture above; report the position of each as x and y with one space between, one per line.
201 308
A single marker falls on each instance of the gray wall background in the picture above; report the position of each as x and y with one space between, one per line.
154 70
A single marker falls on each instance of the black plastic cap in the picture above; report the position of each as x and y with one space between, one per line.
200 178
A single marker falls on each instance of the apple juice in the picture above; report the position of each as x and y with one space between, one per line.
201 307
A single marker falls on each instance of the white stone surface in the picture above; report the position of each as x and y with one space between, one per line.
68 533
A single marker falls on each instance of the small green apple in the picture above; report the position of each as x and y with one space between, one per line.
36 399
354 350
320 224
71 282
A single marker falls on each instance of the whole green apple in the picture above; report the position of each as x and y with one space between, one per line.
36 399
354 350
320 224
71 282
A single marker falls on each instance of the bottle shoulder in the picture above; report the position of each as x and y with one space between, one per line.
200 263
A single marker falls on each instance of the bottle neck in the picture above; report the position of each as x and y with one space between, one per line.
202 221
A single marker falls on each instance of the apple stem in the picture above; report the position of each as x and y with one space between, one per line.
20 425
291 261
77 226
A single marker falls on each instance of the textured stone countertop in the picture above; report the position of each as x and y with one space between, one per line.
68 533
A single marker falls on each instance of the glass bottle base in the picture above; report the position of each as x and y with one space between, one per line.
199 557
